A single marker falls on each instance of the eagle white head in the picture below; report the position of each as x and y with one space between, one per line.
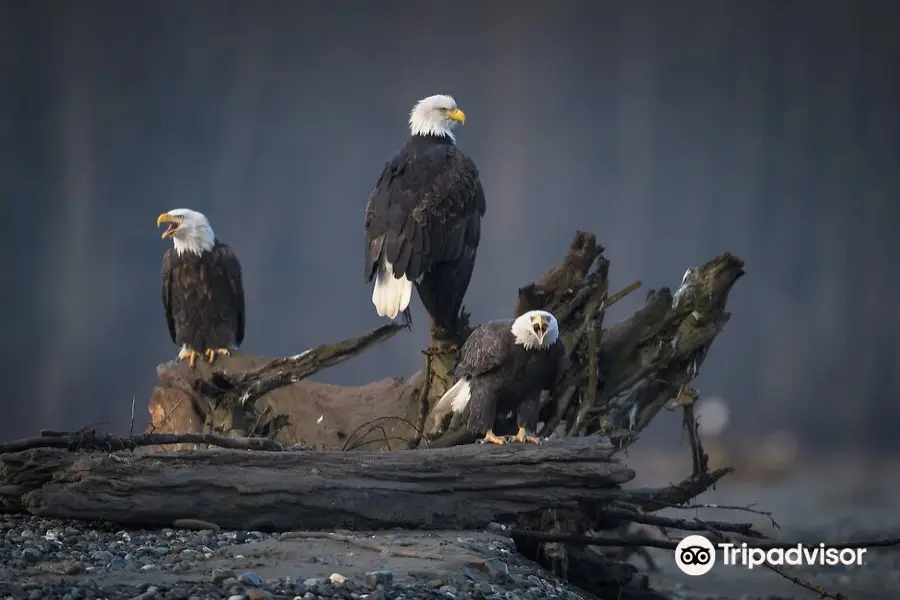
436 115
190 230
535 329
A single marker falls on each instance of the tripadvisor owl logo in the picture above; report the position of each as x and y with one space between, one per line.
695 555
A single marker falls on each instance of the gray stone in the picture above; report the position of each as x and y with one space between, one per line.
250 578
376 578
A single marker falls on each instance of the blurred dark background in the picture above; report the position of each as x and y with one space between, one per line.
673 130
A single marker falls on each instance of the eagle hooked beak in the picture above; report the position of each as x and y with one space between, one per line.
539 323
172 220
457 115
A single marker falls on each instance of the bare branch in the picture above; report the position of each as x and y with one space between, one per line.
89 440
249 386
636 542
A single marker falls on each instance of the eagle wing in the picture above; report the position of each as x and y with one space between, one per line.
167 263
225 260
231 268
426 209
486 350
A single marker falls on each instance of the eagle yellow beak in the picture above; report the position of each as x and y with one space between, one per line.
457 115
167 218
540 327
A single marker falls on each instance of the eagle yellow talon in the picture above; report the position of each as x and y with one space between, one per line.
211 354
491 438
190 355
523 436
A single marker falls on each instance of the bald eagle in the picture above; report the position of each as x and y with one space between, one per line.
423 219
503 367
202 288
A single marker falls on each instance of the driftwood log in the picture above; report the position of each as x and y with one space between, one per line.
460 488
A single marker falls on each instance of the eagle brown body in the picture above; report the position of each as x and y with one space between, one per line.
203 297
423 220
503 368
424 217
505 377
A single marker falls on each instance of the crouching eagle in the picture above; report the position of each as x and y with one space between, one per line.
423 219
503 367
202 289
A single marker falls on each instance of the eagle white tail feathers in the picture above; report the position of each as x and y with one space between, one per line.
457 397
391 296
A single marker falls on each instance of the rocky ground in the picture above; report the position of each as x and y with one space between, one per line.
52 559
45 558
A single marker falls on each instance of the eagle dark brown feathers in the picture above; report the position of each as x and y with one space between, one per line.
203 297
505 377
424 218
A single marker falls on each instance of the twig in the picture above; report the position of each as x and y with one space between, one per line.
131 428
676 493
635 542
371 545
683 524
90 440
749 509
823 593
387 442
625 291
806 584
423 402
699 459
372 425
589 400
382 440
259 419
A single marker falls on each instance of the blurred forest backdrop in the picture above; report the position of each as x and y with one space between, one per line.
673 130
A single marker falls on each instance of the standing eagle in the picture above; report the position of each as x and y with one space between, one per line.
423 219
202 289
503 367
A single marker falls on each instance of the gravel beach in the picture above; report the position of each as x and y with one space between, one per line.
66 560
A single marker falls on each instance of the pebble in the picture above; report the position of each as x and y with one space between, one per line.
251 579
382 578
